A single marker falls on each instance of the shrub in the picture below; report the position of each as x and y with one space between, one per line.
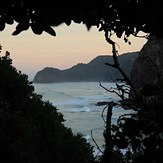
32 130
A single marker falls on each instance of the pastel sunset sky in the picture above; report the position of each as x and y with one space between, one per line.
73 44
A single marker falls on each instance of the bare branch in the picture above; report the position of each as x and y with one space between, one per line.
112 65
102 114
119 91
116 63
109 90
95 142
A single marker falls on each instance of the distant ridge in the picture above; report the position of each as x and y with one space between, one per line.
95 70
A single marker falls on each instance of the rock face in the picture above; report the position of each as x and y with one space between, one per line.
149 65
96 70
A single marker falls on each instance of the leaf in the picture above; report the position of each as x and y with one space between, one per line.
16 32
49 30
119 33
23 26
76 20
121 142
68 22
125 39
20 27
2 25
7 54
9 19
88 25
36 29
101 29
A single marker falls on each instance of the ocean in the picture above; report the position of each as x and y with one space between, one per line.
77 102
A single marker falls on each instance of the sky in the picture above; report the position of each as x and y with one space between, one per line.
73 44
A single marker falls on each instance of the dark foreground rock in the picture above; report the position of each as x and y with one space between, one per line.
149 65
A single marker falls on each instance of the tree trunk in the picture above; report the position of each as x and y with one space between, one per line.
107 135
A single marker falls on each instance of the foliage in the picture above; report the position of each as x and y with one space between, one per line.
139 133
41 15
119 16
132 16
32 130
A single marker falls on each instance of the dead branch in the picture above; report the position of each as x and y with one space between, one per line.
119 91
116 63
109 90
102 114
95 142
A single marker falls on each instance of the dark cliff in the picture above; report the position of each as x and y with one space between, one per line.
95 70
149 65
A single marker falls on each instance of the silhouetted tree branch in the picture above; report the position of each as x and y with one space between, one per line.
116 63
124 18
96 143
132 132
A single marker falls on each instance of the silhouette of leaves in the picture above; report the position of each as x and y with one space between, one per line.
8 19
2 24
128 17
49 30
37 29
20 28
68 22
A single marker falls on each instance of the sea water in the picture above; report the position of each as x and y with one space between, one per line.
77 102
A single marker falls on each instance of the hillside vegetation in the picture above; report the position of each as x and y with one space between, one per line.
32 130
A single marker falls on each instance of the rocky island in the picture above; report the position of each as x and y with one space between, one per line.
95 70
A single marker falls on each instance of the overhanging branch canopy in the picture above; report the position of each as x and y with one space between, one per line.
120 16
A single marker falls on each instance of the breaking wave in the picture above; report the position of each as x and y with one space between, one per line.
72 102
77 110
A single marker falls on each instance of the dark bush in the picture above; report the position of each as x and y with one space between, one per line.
32 130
